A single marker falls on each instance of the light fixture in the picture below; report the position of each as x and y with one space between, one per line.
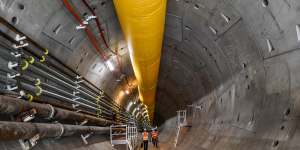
127 92
110 65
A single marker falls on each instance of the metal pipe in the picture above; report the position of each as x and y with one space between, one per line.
45 100
81 89
52 60
14 106
59 90
60 97
55 95
67 85
20 130
54 63
62 76
45 92
60 82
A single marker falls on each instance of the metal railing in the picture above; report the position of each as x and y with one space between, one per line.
124 135
181 122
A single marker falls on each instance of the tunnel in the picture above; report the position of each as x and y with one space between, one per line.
70 72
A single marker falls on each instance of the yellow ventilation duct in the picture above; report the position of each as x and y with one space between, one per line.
142 22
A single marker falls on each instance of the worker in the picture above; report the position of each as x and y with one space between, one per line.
154 138
145 139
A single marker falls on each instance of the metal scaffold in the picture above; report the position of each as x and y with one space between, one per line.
124 135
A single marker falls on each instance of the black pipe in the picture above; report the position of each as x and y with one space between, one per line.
14 106
21 130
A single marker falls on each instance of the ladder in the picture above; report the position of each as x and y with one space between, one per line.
132 137
181 122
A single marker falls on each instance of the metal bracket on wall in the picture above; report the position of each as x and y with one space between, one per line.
85 137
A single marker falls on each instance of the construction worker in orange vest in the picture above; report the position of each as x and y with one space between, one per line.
145 139
154 137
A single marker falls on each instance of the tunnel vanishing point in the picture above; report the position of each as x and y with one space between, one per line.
93 74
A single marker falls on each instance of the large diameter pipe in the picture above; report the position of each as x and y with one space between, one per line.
14 106
142 22
20 130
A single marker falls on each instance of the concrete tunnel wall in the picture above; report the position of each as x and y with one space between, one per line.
238 60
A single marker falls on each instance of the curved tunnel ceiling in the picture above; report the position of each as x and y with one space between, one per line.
236 61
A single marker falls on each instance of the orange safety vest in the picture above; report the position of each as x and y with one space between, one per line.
154 134
145 136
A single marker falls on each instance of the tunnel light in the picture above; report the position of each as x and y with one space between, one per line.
127 92
133 112
110 65
129 106
226 18
270 46
298 32
213 30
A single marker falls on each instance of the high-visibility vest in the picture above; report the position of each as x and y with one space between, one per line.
145 136
154 134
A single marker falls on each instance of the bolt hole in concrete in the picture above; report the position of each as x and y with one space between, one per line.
248 87
282 127
103 3
196 6
14 20
287 112
188 28
275 143
56 29
21 6
244 65
265 3
71 40
85 14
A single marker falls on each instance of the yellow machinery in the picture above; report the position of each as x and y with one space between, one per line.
142 22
